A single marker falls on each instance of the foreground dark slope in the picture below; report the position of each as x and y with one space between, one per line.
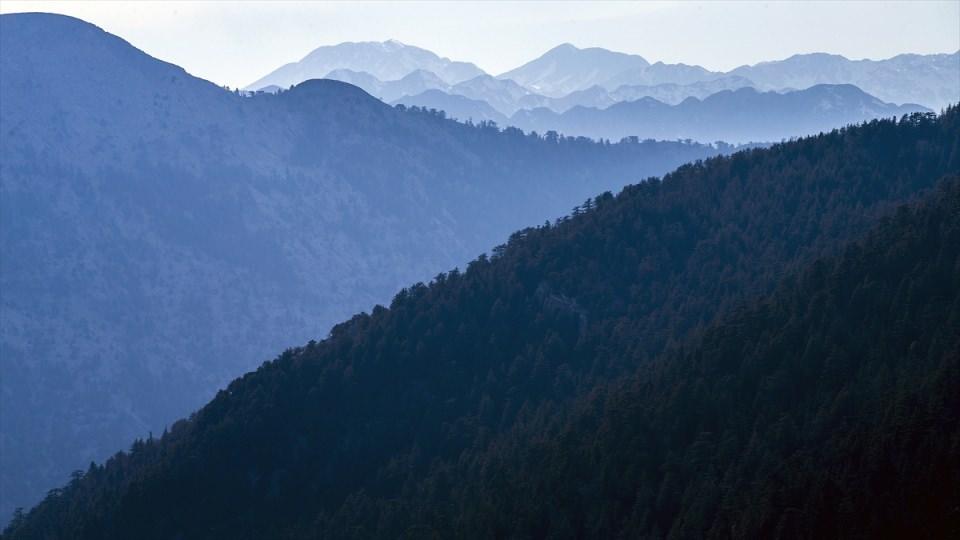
829 410
161 235
340 433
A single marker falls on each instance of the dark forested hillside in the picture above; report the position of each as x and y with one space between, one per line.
829 410
418 418
161 235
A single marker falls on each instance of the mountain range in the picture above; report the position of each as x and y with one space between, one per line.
740 115
761 345
743 115
932 80
161 235
566 77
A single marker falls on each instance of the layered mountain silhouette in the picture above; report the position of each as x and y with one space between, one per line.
161 235
661 73
504 95
507 97
455 106
723 352
739 115
932 80
567 76
759 345
673 93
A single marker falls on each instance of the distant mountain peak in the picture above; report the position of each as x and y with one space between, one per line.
563 47
819 55
388 60
567 68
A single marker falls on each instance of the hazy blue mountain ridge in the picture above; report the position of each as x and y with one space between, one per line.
931 80
740 115
387 61
661 73
560 77
566 77
566 68
674 93
455 106
161 235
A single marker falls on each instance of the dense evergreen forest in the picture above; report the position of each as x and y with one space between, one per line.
719 353
161 235
830 409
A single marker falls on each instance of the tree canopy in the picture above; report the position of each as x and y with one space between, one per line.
720 352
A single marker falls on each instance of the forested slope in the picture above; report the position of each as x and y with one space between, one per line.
161 235
410 403
828 410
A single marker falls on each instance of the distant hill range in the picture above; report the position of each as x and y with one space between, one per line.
567 77
740 115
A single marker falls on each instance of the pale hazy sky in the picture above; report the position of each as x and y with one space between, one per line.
235 43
